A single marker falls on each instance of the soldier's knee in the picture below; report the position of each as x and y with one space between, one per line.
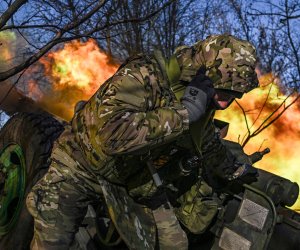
42 201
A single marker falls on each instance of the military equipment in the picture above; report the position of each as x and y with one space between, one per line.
187 165
229 62
25 146
257 156
155 176
223 54
255 215
249 216
162 200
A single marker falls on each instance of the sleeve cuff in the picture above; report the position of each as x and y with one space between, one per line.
185 118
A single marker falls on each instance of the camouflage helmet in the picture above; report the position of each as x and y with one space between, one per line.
229 62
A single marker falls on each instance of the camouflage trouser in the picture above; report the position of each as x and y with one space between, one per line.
171 235
58 203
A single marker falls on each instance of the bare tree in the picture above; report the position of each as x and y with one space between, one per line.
180 23
281 22
272 117
272 27
46 23
165 31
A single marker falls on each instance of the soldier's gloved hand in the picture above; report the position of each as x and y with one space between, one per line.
198 95
245 173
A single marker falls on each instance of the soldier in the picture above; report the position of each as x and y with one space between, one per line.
151 114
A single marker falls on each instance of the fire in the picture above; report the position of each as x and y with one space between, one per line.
79 64
282 136
74 72
7 48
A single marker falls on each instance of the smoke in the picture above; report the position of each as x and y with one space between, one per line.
12 51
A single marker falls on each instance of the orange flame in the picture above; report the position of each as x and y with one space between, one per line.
76 71
7 49
282 136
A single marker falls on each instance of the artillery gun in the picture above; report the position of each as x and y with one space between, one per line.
251 217
256 216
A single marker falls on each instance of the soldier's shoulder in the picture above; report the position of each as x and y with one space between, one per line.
137 60
139 66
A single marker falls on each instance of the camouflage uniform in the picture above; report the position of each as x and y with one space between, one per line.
133 114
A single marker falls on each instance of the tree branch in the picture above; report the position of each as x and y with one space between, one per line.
261 127
291 39
57 39
34 26
131 20
245 117
11 88
269 120
70 26
262 107
10 11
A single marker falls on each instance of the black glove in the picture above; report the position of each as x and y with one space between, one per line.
245 173
203 82
198 95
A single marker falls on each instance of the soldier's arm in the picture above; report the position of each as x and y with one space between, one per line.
218 159
130 120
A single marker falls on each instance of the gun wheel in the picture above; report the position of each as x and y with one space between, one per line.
25 145
12 185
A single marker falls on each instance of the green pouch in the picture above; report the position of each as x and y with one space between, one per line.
198 208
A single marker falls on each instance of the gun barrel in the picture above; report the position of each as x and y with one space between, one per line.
282 191
257 156
266 151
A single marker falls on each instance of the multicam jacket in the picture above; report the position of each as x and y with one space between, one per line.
133 114
136 113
